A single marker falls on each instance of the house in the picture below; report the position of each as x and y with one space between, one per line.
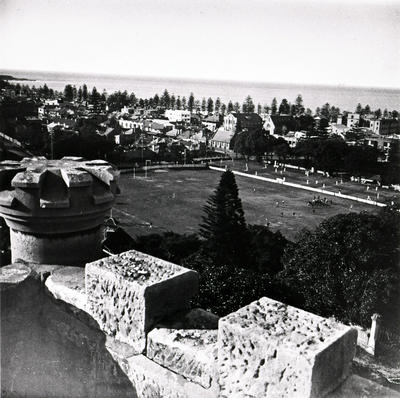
339 129
221 140
389 126
353 119
211 122
384 143
130 123
382 126
279 124
236 122
292 137
178 115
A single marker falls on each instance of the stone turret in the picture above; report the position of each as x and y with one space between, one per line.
56 208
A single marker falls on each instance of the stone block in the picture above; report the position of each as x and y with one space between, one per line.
269 349
153 381
13 275
129 293
192 353
68 284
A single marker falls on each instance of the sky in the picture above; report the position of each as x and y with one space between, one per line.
348 42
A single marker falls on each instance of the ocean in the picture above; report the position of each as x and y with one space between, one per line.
346 98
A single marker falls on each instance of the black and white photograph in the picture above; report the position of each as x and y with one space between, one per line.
200 198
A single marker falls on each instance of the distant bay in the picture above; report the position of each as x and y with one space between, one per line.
346 98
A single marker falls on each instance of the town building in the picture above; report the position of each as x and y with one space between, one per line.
178 115
353 119
279 124
236 122
221 140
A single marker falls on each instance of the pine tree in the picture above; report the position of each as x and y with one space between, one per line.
191 102
210 105
217 105
85 93
224 226
274 106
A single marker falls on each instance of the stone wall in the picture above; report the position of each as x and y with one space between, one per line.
266 349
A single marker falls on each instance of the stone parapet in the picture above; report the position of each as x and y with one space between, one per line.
269 349
266 349
55 208
129 293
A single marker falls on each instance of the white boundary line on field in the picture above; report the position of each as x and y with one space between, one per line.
299 186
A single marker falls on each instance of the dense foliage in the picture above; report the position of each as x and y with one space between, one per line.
348 267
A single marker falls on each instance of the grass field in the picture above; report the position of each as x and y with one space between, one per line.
174 200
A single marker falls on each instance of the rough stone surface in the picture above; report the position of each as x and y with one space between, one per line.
153 381
129 293
191 353
268 349
358 387
68 284
13 275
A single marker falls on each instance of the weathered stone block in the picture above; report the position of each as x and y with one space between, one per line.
68 284
13 275
191 353
153 381
268 349
129 293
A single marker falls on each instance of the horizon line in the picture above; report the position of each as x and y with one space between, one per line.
216 80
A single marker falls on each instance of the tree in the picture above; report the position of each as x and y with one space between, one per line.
248 105
378 113
299 105
326 111
80 94
385 113
217 105
156 100
347 268
210 105
184 103
178 103
191 102
165 99
282 149
203 105
267 248
94 97
84 92
223 109
172 101
224 288
284 107
230 107
367 110
236 107
250 142
68 92
359 109
274 106
224 226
